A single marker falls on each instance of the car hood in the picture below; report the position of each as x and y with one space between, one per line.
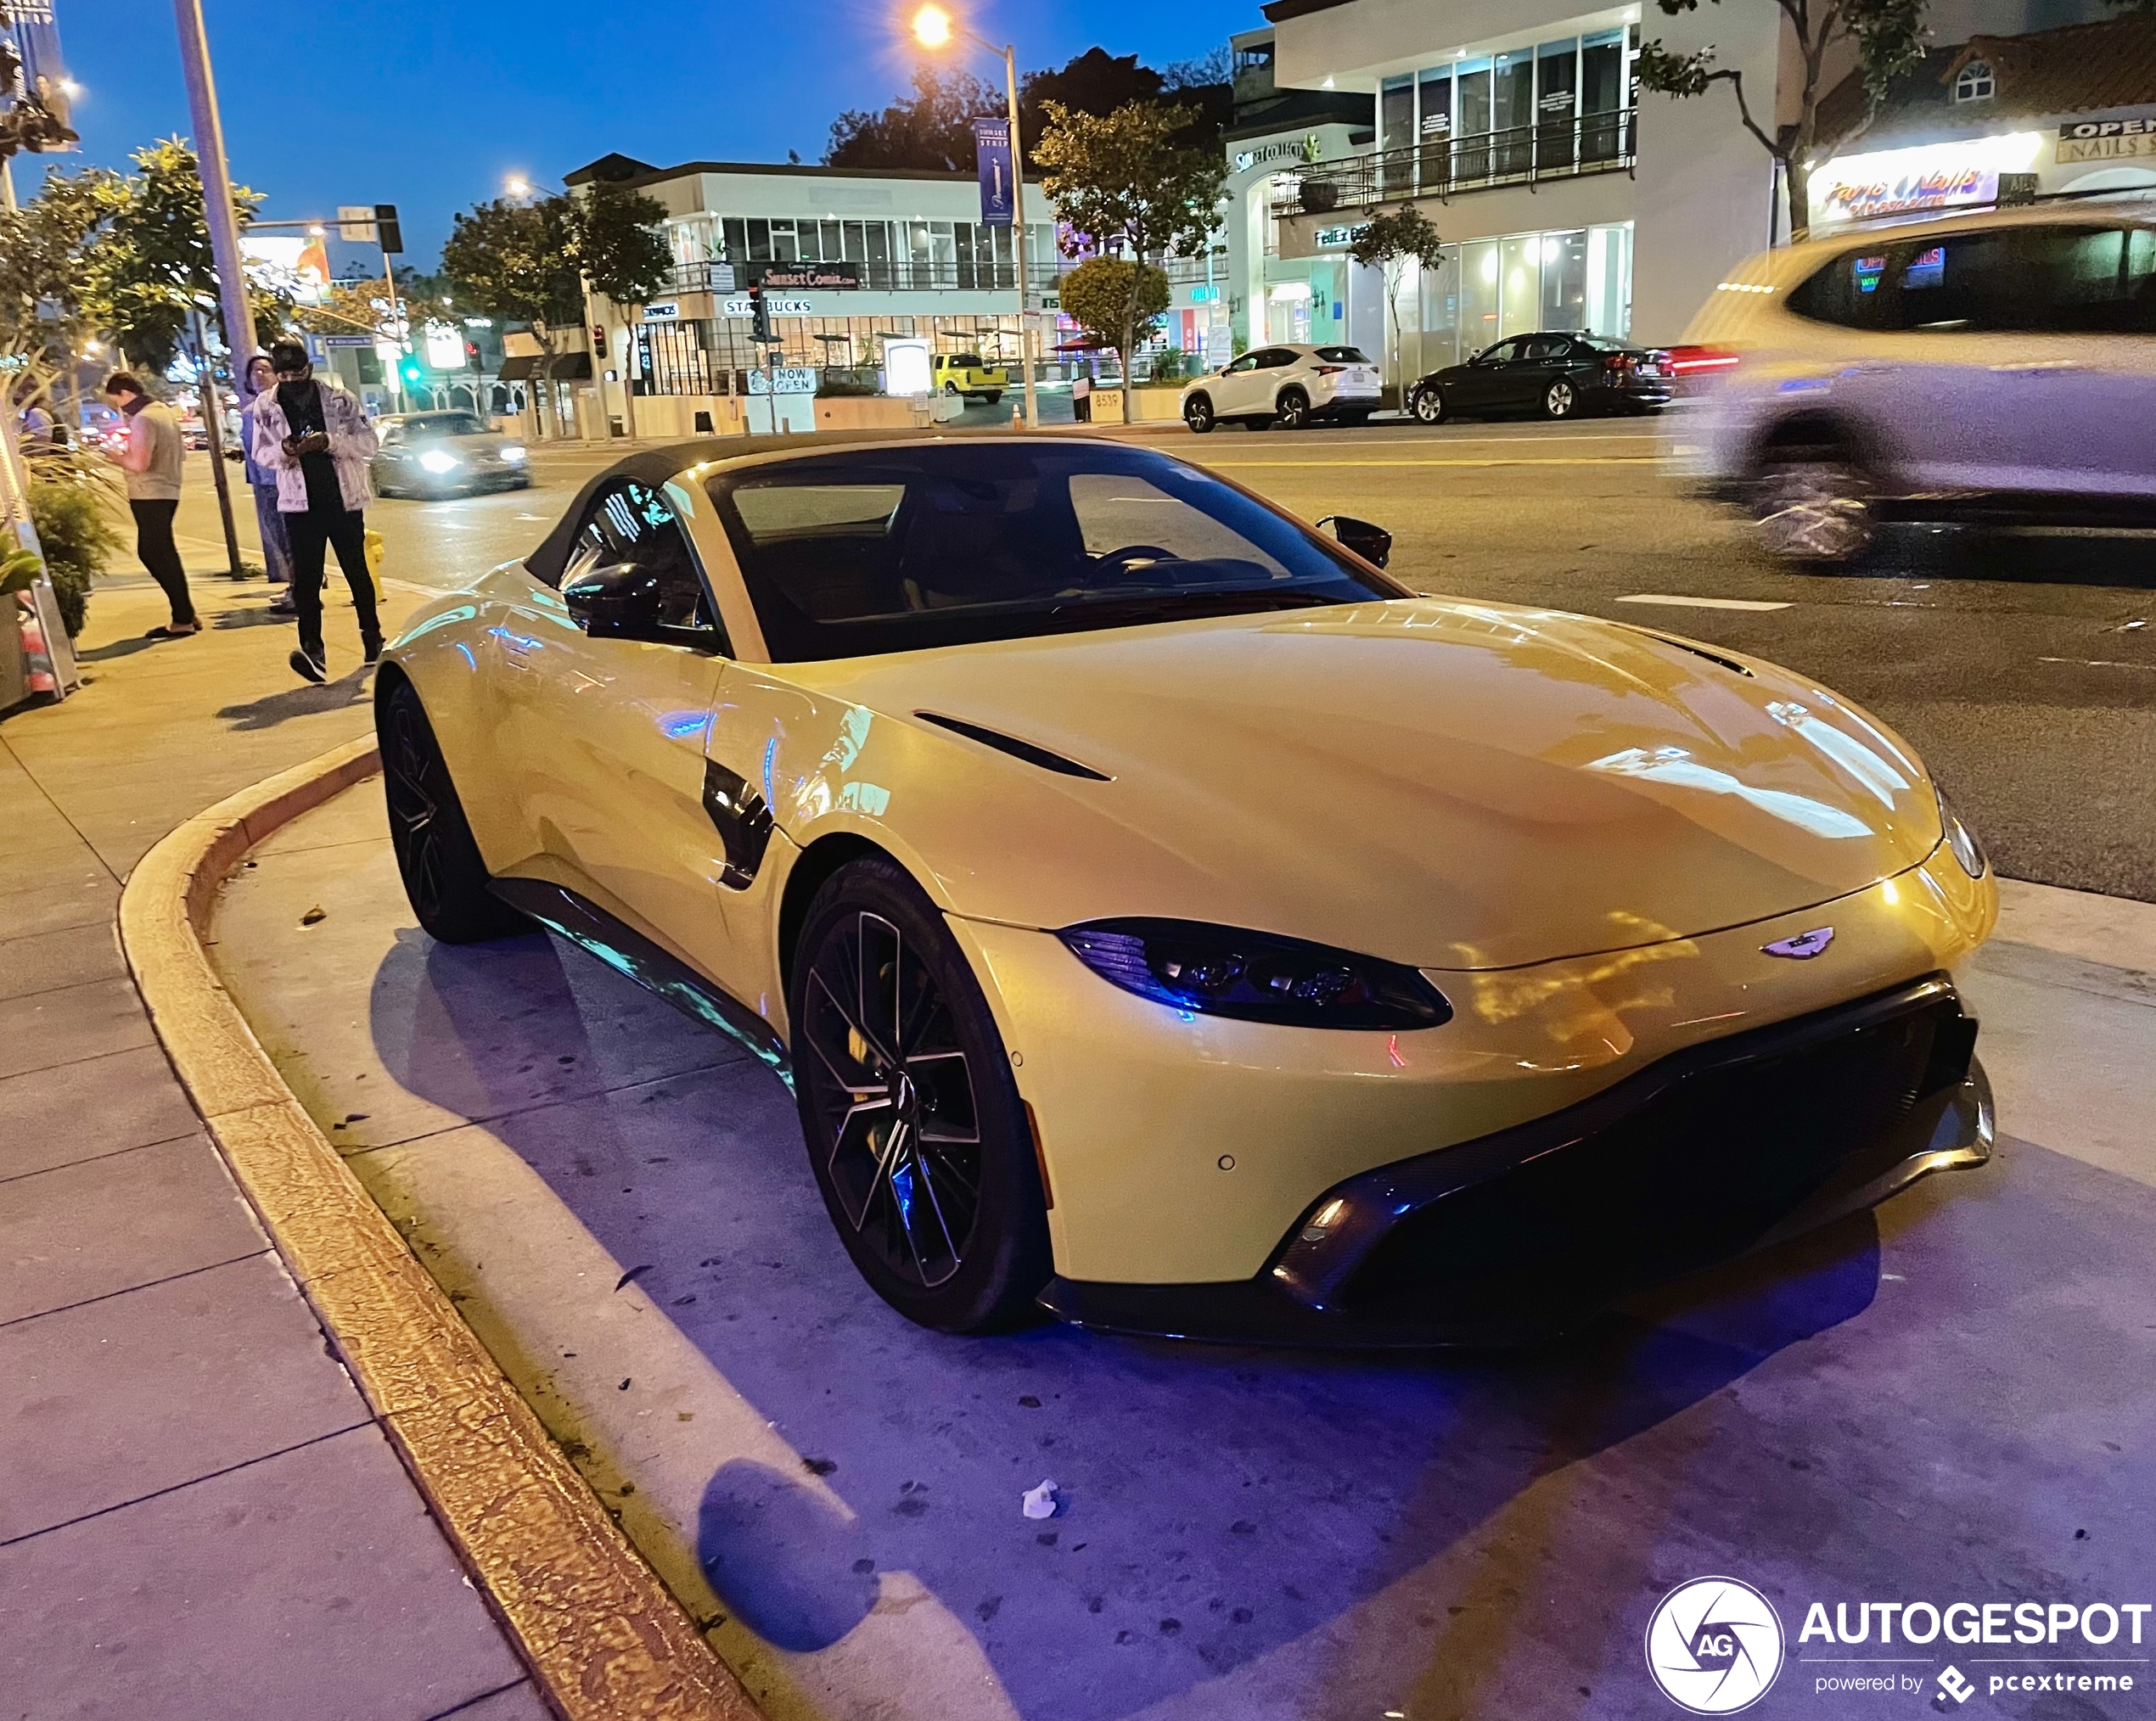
1450 784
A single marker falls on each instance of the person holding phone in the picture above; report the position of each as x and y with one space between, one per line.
317 442
152 461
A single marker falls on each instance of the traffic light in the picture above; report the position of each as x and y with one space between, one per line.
386 229
760 313
411 371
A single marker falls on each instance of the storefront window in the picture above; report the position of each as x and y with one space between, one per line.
1519 305
1565 281
1439 344
1478 296
1609 282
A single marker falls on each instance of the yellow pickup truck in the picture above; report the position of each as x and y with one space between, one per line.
963 373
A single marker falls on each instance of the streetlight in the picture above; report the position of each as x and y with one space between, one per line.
934 28
517 186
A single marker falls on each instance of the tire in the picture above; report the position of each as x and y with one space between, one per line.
445 879
992 396
1198 414
1813 506
962 1260
1561 400
950 388
1429 407
1291 411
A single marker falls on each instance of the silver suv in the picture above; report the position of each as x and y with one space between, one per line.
1994 368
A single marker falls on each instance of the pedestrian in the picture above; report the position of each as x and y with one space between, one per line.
317 442
151 460
276 548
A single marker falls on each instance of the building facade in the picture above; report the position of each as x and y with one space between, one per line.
847 259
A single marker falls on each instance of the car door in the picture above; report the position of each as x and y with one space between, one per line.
611 733
1479 383
1526 375
1235 391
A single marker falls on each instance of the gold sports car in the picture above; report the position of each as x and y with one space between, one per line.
1166 919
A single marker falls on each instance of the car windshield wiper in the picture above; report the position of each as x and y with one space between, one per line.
1191 601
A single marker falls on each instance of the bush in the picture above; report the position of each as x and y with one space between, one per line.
76 532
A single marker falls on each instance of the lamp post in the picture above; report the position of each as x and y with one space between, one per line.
934 28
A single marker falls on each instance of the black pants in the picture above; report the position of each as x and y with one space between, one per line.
311 533
161 556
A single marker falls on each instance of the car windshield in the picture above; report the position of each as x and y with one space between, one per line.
893 549
443 424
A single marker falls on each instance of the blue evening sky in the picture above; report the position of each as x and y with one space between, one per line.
430 105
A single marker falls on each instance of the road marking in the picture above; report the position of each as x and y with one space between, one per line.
1492 460
1700 603
2097 662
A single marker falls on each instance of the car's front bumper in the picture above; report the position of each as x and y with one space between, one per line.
1713 1151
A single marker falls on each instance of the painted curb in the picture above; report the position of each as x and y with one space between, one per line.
604 1638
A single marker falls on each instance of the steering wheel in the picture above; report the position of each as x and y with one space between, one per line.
1130 553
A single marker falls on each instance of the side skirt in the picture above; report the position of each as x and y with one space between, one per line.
628 951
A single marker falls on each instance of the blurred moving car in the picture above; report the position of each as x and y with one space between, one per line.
1170 921
963 373
1555 374
444 454
1286 386
1998 369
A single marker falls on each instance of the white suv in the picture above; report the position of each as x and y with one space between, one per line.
1290 386
1996 368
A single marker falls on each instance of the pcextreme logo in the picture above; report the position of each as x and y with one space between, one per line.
1713 1645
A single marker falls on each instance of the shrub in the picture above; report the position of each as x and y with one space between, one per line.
75 531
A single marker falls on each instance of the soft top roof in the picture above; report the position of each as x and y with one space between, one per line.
655 466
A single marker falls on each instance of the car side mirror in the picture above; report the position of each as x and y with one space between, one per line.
616 603
1372 543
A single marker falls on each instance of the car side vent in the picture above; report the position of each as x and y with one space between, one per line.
1017 749
1697 651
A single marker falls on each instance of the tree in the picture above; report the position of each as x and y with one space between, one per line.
516 262
1889 37
1129 181
44 249
149 269
933 128
1115 302
1389 241
615 234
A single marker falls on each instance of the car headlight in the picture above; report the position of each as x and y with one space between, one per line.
1960 838
512 453
437 462
1255 977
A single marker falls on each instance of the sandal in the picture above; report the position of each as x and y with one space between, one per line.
165 631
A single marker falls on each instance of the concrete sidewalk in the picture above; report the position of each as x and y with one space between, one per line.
201 1518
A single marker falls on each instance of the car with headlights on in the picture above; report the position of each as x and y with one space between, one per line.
1166 919
1290 387
1995 371
1552 375
429 455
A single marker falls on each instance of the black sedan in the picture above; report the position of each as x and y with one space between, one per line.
1555 376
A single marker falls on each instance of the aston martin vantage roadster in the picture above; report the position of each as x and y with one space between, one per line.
1166 919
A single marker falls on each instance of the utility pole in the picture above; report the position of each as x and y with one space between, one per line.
213 419
1018 236
224 238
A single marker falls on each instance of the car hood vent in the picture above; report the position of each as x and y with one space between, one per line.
1696 649
1017 749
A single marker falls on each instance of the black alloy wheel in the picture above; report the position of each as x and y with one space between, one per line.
1560 400
1198 414
916 1134
1429 407
445 878
1291 411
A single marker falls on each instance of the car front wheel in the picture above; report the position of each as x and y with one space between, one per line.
916 1133
1560 400
1198 414
1430 406
445 878
1814 505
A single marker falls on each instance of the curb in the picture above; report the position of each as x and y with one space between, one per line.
604 1638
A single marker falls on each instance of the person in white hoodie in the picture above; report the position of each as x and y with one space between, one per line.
316 442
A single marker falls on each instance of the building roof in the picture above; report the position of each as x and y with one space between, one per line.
608 167
1282 10
2045 75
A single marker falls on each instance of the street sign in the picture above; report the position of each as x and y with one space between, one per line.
785 379
356 223
992 157
367 340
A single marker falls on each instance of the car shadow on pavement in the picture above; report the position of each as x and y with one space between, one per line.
1219 1504
306 700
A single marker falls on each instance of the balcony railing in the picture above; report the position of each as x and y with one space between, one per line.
906 276
1591 144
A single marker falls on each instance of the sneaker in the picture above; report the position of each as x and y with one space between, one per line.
283 605
308 668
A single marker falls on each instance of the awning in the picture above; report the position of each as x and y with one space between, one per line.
568 367
571 366
519 369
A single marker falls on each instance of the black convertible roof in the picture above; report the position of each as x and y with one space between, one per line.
655 466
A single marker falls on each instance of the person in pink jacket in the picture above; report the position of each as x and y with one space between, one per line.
317 442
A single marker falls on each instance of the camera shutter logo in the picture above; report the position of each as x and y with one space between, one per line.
1713 1645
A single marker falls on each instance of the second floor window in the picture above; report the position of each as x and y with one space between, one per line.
1975 82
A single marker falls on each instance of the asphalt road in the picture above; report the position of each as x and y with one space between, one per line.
2023 668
